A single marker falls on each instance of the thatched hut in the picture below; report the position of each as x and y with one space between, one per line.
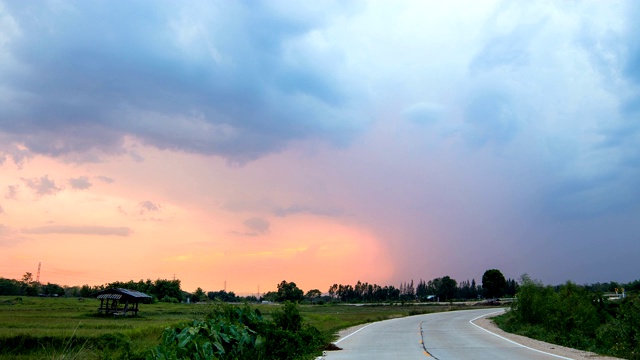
119 301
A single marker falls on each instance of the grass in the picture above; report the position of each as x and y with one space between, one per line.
67 328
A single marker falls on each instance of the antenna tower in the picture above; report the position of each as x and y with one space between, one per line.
225 286
38 276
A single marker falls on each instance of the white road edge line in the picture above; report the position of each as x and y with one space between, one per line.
511 341
353 333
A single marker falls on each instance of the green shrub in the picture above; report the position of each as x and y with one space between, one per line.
230 332
169 299
573 317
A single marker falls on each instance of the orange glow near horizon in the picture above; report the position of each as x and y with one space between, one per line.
142 221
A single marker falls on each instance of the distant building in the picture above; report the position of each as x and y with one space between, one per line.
119 301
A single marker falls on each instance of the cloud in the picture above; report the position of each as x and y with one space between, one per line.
510 50
1 210
9 237
423 113
302 209
257 226
630 46
10 149
269 206
79 230
80 183
12 192
213 80
148 207
105 179
491 118
42 186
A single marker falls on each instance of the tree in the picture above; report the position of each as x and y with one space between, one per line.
53 289
222 296
199 295
9 287
446 289
167 289
493 283
271 296
333 290
86 291
27 278
28 286
312 294
289 291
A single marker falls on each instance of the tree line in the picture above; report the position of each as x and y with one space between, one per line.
444 288
439 289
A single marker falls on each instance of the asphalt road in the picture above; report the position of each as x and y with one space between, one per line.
445 336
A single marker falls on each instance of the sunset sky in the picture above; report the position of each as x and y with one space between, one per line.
319 142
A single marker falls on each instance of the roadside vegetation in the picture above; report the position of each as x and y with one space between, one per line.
69 328
580 317
57 322
239 332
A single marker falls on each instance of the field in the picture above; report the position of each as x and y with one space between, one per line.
67 328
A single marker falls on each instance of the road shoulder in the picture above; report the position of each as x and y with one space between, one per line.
488 324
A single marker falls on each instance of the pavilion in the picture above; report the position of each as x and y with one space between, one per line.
119 301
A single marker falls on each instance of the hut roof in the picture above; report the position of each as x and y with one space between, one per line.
117 293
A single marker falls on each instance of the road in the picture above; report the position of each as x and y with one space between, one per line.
446 336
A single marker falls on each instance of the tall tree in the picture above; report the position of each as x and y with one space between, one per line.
493 283
289 291
446 289
199 295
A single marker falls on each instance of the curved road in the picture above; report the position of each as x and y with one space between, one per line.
445 336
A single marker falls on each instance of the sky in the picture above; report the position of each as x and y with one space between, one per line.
242 143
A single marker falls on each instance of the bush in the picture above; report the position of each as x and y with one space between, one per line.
573 317
169 299
230 332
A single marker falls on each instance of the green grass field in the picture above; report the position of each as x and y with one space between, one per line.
67 328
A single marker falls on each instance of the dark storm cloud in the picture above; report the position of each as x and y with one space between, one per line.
609 187
227 78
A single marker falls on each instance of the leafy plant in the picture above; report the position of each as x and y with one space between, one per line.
570 315
230 332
